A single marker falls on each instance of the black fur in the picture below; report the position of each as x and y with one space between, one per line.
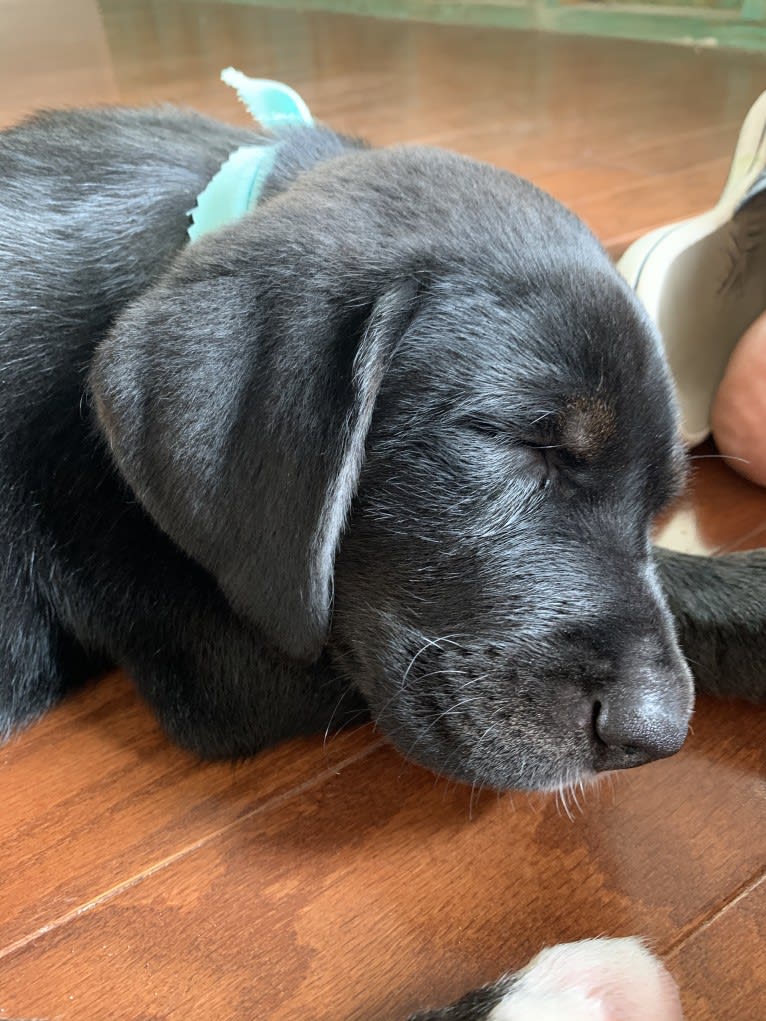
476 1005
394 441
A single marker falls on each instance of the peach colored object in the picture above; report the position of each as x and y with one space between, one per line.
739 409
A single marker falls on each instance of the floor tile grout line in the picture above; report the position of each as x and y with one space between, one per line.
694 929
146 873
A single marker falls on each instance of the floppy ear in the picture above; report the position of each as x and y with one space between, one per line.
236 408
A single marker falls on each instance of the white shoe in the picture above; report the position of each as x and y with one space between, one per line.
703 280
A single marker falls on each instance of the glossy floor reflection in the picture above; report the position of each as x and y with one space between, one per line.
336 881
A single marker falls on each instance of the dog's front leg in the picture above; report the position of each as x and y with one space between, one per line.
720 608
221 692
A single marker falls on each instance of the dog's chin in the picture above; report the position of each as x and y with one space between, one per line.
500 765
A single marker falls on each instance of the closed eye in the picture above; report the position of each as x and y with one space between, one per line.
539 459
485 426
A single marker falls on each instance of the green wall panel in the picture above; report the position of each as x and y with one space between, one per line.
735 23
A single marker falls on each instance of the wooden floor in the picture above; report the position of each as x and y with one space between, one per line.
335 881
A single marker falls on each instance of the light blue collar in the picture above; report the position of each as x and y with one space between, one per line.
237 186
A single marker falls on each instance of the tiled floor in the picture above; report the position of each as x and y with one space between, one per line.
336 881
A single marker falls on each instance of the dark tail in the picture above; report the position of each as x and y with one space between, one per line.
720 606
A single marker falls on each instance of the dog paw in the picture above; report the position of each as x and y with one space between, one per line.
595 980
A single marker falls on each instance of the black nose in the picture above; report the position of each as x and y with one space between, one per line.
639 726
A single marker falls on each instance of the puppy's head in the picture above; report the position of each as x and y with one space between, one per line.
409 411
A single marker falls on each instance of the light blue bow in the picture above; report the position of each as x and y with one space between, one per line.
237 186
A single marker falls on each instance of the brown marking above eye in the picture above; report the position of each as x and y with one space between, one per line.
585 425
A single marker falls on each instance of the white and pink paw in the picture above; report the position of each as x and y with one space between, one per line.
594 980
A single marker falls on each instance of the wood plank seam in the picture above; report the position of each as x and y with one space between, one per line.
694 929
270 804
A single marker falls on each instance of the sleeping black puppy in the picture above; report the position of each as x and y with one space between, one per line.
393 442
